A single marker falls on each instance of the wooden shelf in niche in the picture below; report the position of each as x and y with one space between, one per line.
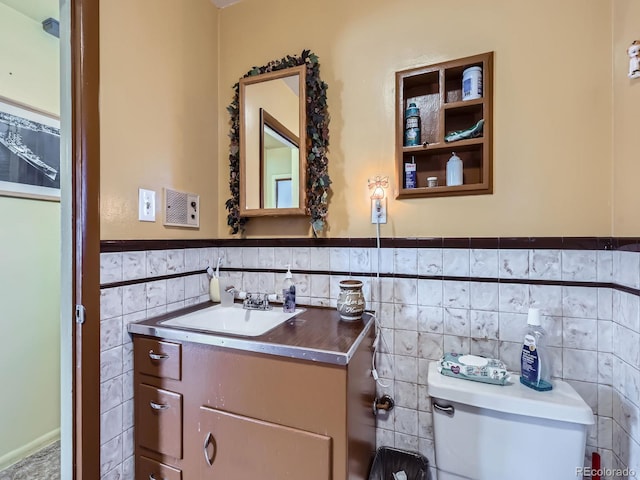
437 92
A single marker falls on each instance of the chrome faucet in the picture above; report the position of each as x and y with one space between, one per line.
256 301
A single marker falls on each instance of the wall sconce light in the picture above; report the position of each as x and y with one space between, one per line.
378 199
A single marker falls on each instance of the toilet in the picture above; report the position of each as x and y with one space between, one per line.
493 432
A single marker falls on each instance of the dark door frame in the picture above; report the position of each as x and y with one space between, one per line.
85 210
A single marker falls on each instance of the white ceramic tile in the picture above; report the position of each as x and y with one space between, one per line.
110 363
127 414
359 259
283 256
406 396
406 368
320 286
484 263
207 257
430 319
605 368
111 455
579 265
579 365
175 290
456 322
134 265
605 336
110 424
232 257
455 262
425 425
339 259
110 333
512 326
604 259
405 342
383 257
127 357
156 263
110 267
405 261
628 268
156 311
513 263
579 302
554 328
514 297
404 441
632 383
483 296
385 313
250 282
605 400
456 344
175 261
605 303
250 257
430 346
267 283
385 291
455 294
406 316
110 303
385 365
301 258
405 290
545 264
424 401
156 293
130 318
626 344
484 325
548 298
406 420
429 261
485 348
110 393
430 292
334 284
581 333
267 258
626 310
510 354
134 298
172 307
192 260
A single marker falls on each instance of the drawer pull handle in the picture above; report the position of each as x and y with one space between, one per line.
157 356
158 406
447 410
153 477
209 440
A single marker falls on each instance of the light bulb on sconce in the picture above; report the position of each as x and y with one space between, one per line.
378 199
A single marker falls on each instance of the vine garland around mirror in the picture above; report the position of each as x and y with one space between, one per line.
317 129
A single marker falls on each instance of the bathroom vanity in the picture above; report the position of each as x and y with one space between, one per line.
295 402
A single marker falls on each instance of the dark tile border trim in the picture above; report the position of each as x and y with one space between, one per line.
542 243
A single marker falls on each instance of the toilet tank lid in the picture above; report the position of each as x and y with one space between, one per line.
562 403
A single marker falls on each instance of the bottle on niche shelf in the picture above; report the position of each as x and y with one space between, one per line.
412 126
454 170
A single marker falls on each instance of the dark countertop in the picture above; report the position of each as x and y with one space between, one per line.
317 334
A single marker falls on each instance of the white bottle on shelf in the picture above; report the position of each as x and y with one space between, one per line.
454 170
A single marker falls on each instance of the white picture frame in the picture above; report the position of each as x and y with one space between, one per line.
29 152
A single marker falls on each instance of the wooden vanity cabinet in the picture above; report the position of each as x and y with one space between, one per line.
249 415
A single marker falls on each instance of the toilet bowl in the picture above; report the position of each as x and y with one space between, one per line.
493 432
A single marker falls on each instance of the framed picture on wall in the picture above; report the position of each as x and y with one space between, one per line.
29 152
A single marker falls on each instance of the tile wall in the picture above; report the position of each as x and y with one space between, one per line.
429 300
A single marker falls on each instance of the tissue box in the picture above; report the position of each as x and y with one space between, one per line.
475 368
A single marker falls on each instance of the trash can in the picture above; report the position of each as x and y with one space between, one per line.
389 461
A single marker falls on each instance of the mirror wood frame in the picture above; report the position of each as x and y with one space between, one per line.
302 115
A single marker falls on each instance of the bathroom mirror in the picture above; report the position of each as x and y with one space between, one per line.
272 135
265 124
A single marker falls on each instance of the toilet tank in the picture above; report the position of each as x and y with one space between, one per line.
493 432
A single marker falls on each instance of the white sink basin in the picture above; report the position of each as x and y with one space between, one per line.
234 320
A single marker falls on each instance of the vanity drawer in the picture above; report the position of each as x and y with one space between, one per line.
160 420
158 358
150 469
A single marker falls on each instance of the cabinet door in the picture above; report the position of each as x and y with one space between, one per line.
240 447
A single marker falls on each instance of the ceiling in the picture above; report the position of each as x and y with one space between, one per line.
40 10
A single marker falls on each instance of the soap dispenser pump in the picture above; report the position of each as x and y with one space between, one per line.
288 293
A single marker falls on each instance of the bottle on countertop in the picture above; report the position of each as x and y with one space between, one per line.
534 361
288 293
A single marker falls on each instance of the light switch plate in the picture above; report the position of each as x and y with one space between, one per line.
146 205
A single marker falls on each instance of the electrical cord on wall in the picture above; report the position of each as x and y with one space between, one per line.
378 328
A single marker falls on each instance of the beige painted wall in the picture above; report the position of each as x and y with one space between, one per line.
552 107
626 121
159 112
29 260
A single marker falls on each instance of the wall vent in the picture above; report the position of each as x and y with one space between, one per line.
181 209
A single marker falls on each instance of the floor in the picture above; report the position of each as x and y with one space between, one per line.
44 464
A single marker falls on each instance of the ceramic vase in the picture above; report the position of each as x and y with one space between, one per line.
350 300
